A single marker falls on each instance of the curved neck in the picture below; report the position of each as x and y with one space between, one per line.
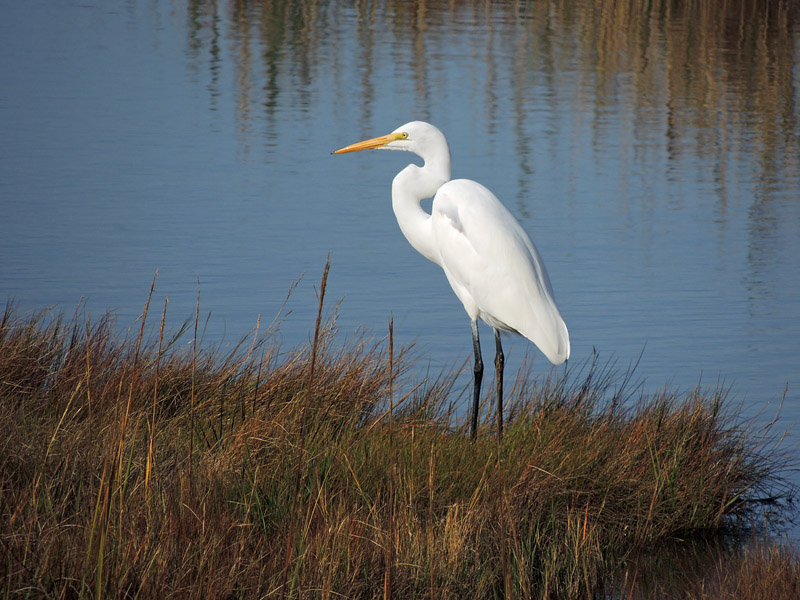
409 187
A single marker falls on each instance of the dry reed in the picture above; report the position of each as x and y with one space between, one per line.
146 468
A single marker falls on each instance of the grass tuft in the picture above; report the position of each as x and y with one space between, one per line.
154 468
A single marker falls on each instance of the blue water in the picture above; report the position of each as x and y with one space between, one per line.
194 139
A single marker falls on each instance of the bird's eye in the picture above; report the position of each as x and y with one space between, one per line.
404 135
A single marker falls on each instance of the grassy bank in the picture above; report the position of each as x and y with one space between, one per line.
157 468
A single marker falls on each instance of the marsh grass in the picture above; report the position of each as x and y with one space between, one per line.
145 468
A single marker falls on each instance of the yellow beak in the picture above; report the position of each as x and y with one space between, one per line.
369 144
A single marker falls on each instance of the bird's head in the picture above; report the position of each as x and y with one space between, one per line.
417 136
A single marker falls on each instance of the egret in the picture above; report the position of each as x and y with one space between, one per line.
489 260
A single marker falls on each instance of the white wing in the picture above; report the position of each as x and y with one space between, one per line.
494 267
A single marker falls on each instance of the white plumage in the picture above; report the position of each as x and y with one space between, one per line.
489 260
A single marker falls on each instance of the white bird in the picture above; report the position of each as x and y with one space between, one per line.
489 260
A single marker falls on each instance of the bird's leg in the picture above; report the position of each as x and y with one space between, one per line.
478 377
499 363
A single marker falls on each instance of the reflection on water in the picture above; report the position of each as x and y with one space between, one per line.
705 568
661 127
711 79
704 89
650 148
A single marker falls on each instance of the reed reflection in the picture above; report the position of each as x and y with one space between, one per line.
708 86
716 58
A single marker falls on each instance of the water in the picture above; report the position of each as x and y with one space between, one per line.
653 156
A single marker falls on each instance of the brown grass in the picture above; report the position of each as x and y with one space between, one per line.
135 468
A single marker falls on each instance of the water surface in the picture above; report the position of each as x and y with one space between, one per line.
653 154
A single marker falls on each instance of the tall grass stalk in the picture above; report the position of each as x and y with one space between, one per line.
390 542
194 373
299 475
150 456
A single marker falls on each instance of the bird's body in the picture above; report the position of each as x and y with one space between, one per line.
489 260
494 268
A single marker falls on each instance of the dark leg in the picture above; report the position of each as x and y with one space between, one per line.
499 362
478 374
